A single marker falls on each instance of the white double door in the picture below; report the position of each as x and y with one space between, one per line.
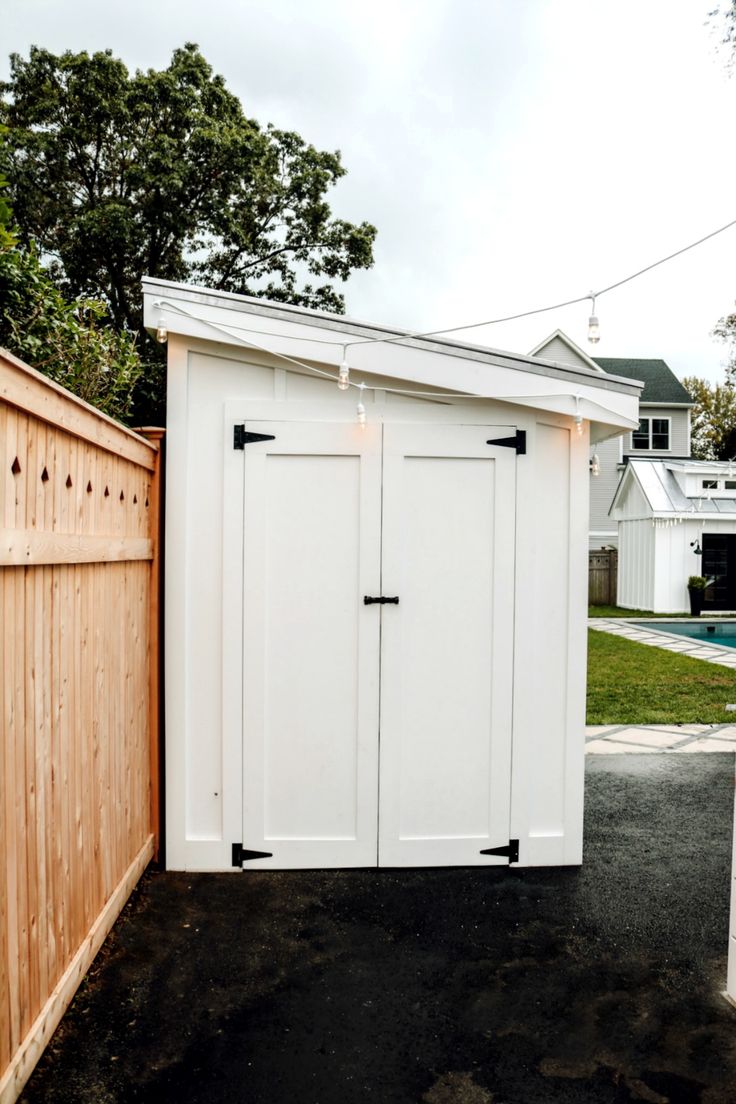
377 734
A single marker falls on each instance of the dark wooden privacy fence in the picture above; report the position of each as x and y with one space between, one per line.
79 584
602 571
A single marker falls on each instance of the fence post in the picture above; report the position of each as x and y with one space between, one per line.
155 636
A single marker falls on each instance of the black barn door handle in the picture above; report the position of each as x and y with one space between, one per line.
369 601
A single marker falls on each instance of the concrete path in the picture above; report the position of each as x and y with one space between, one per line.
711 653
609 739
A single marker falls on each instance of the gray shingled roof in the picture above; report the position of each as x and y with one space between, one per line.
661 385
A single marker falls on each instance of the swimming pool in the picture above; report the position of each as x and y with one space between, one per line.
712 632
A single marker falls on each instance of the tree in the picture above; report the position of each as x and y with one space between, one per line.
713 419
114 177
70 342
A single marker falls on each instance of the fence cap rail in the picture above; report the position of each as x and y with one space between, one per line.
31 391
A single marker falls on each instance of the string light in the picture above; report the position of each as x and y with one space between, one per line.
343 376
360 410
594 331
595 465
162 330
578 417
593 324
411 393
554 306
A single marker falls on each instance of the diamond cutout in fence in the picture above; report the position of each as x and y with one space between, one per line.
15 466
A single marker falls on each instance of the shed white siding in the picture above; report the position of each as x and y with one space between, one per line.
636 564
214 385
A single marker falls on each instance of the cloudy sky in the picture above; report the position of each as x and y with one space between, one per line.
512 153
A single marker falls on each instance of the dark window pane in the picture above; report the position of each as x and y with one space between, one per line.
731 484
660 433
640 436
710 484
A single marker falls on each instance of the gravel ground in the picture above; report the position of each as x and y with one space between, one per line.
451 986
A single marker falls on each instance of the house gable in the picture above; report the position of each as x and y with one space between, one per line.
559 348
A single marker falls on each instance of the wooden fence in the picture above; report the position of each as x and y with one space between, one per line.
79 595
602 577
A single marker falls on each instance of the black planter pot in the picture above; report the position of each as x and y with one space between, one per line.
696 600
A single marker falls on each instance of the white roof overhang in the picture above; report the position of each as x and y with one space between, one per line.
315 341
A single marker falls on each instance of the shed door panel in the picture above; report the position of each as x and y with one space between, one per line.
311 653
446 662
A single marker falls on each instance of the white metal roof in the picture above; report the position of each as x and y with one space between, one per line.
664 495
316 338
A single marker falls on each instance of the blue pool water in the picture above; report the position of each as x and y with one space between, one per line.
707 631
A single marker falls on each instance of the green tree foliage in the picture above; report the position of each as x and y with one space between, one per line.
7 238
714 415
713 423
115 176
71 342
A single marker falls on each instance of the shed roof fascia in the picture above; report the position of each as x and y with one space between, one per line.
472 370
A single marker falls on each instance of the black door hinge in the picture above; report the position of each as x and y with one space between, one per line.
511 849
241 855
518 442
241 438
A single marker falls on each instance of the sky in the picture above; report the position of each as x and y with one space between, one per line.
512 153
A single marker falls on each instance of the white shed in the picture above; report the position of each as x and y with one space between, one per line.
676 518
375 634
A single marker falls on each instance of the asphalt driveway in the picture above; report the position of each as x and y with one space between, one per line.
441 986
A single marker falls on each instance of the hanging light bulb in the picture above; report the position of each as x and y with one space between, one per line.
594 330
595 465
578 417
360 410
162 329
343 376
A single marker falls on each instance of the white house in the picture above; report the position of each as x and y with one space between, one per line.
371 658
676 518
663 430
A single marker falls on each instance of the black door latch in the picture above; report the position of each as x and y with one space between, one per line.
368 601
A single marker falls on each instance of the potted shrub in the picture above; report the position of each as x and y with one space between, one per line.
696 585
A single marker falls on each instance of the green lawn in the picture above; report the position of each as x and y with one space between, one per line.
617 611
632 683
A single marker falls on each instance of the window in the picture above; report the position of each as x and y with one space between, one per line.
710 484
730 484
653 433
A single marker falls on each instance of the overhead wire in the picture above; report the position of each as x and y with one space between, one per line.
345 345
555 306
418 334
360 387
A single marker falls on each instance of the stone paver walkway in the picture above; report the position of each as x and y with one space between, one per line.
711 653
609 739
612 739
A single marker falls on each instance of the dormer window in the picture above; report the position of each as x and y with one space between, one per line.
710 484
652 434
